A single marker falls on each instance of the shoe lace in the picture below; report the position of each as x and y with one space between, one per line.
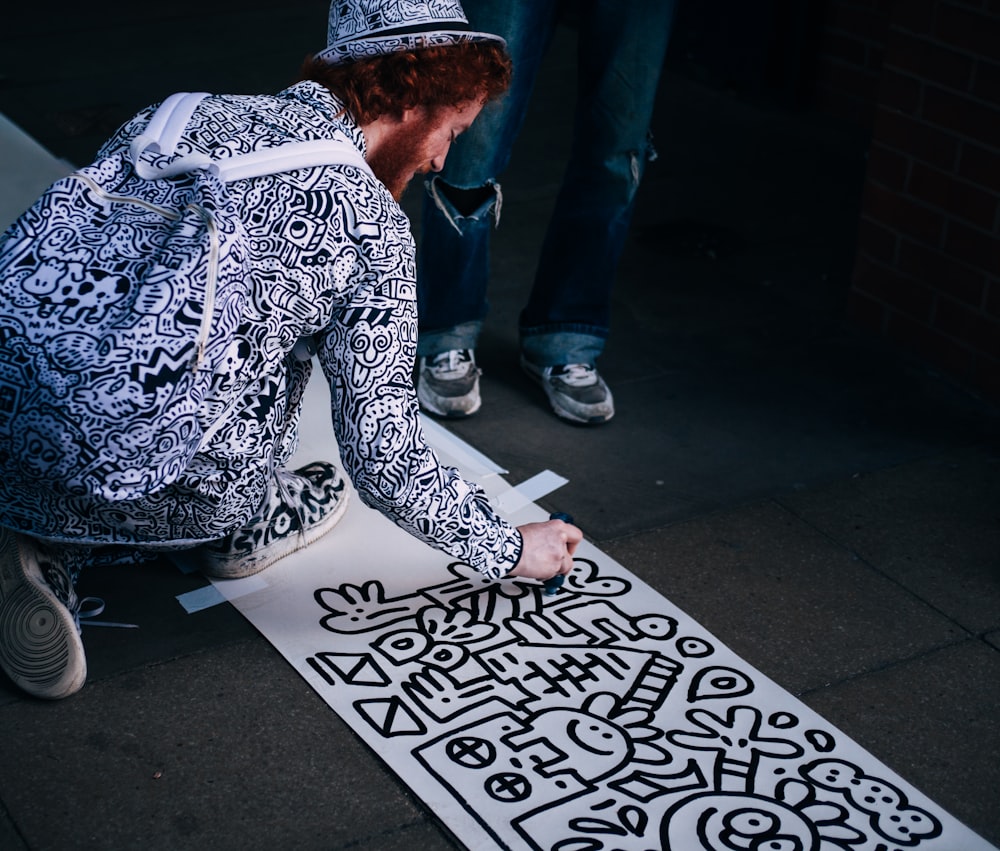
456 360
576 374
84 609
89 608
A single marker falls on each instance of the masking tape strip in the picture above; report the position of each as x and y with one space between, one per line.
530 490
210 595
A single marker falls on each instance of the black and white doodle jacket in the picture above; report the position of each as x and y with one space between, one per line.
332 259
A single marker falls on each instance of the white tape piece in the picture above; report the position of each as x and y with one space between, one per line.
200 598
210 595
529 491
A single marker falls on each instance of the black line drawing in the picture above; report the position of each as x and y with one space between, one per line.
720 821
736 741
719 681
350 668
390 717
590 720
892 817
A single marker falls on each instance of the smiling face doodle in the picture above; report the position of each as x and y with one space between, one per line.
579 739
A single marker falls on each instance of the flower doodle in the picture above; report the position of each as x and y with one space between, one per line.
736 738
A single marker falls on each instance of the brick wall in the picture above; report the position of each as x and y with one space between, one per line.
924 75
851 48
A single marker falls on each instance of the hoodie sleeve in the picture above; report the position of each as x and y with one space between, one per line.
367 353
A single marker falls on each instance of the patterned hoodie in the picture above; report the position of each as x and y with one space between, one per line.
331 258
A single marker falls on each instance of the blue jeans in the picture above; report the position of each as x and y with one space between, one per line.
567 317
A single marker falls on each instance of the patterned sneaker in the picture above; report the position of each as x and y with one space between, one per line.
40 645
448 384
303 506
576 391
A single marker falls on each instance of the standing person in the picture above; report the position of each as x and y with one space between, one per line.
565 323
93 468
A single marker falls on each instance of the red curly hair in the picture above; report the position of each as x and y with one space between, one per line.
430 77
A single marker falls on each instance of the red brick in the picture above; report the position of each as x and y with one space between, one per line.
915 138
887 167
865 23
903 215
877 242
963 115
899 91
948 67
904 51
970 327
934 347
967 29
967 326
930 61
897 291
980 166
954 319
876 58
978 249
914 15
960 199
987 85
941 272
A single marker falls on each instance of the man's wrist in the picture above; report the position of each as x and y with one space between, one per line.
519 551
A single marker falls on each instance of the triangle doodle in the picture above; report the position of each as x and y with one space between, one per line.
390 716
354 669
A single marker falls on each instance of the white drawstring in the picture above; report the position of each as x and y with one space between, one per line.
89 608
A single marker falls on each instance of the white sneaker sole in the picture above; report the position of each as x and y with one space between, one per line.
40 646
253 564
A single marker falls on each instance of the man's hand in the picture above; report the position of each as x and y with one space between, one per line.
548 549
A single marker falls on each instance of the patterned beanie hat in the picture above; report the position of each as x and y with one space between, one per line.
362 29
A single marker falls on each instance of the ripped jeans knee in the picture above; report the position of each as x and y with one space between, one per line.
457 203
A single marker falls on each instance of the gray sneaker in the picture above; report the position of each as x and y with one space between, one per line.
448 384
40 645
302 506
576 391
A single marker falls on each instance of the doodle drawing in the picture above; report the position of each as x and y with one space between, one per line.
601 718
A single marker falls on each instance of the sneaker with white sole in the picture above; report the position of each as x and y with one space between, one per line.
40 645
302 506
448 384
576 391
